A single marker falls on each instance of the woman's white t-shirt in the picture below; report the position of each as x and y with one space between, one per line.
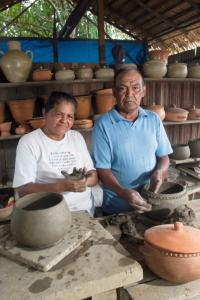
40 159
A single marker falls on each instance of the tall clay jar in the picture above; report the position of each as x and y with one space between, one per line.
16 65
83 109
105 100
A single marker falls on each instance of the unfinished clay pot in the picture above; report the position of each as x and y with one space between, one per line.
84 73
2 112
177 70
21 110
158 109
173 252
105 100
154 68
40 220
194 71
15 64
180 152
170 196
84 107
65 74
194 147
104 73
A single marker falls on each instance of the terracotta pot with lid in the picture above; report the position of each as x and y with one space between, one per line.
175 114
172 251
194 113
42 74
158 109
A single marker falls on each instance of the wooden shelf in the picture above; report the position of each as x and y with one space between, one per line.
50 82
166 123
173 79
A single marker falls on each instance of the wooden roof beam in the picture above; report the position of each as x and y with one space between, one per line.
75 17
193 5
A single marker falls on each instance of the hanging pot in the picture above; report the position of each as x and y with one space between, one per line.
16 65
42 74
104 73
176 114
158 109
105 100
194 71
84 107
84 73
177 70
65 74
173 252
154 68
40 220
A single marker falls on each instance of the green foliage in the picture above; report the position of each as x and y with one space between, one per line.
36 20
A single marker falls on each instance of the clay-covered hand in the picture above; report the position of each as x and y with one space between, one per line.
71 185
77 174
136 201
156 181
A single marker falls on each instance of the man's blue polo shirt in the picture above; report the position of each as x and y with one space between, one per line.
129 149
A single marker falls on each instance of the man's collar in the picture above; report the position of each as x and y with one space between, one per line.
116 117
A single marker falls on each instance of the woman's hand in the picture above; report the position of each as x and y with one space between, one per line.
135 200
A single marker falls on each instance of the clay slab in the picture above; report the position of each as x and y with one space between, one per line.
44 259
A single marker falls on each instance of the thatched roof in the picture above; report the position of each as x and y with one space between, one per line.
171 24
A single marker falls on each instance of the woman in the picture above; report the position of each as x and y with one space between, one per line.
44 153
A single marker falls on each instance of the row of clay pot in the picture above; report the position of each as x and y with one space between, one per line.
158 69
175 114
184 151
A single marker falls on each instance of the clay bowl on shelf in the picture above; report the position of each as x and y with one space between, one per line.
21 110
170 196
172 251
6 202
5 128
180 152
37 122
84 107
194 147
40 220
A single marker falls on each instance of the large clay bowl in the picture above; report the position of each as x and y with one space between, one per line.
40 220
175 267
180 152
21 110
84 107
170 196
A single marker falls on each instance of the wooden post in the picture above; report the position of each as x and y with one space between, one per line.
101 34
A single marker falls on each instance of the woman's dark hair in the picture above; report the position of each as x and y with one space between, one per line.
58 97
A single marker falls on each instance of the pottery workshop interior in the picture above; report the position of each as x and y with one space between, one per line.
99 150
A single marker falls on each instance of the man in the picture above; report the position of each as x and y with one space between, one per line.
130 147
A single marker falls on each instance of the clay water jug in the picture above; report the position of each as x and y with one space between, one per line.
15 64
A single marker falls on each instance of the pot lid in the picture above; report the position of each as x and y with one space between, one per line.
174 109
174 238
41 69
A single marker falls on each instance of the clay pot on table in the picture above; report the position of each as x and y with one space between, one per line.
194 113
40 220
42 74
2 112
16 65
175 114
159 54
194 147
5 128
104 73
65 74
84 107
104 100
84 73
180 152
170 196
158 109
154 68
177 70
194 71
172 251
21 110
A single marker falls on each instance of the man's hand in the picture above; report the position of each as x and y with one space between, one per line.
156 181
135 200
